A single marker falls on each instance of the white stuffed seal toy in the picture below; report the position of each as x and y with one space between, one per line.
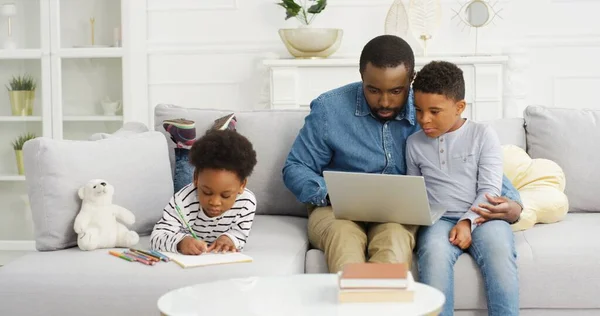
96 224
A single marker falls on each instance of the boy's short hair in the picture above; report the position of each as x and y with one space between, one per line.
223 150
441 77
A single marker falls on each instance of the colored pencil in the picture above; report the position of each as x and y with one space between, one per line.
162 257
156 254
146 254
147 258
140 259
116 254
183 218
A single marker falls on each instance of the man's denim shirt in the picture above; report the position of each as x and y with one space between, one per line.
341 134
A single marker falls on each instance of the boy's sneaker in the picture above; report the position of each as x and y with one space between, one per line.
225 122
182 131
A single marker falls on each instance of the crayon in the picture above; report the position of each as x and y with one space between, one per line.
116 254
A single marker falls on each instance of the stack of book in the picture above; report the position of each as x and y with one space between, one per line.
376 283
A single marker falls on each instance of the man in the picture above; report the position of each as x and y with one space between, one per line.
363 127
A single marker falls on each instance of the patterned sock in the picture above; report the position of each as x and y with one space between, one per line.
226 122
182 131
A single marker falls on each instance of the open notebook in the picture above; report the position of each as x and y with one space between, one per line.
207 259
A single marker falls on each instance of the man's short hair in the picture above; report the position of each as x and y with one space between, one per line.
387 51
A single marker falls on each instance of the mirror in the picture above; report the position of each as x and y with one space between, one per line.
478 13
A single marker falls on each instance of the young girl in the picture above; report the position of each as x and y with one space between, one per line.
216 206
183 134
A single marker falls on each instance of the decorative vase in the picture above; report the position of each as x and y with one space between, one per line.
20 164
21 102
308 42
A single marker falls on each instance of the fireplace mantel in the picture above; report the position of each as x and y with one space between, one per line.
294 83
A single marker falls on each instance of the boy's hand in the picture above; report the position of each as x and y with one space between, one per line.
460 235
190 246
499 207
222 244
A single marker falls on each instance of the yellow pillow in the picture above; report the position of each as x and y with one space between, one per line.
541 184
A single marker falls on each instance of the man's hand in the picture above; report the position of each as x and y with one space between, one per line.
190 246
222 244
499 208
460 235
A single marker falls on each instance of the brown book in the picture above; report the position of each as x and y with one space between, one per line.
379 295
374 275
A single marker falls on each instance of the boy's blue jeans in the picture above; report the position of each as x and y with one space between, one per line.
492 248
184 171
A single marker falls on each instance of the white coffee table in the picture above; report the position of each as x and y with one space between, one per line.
306 294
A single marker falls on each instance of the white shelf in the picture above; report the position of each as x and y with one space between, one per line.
349 62
20 54
103 52
71 81
4 177
20 118
93 118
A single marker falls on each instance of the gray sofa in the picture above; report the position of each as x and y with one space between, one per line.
559 264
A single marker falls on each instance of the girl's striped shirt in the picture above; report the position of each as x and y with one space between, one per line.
234 223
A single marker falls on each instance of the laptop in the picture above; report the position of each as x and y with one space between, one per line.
381 198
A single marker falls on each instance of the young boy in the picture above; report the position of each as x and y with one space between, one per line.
216 205
461 161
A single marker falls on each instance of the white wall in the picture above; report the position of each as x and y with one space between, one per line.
206 53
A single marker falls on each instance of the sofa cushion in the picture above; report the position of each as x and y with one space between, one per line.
128 129
56 169
568 137
271 132
541 185
509 130
96 283
558 267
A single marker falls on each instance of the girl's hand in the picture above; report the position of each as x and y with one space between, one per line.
460 235
191 246
222 244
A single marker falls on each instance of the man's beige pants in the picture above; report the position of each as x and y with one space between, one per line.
345 241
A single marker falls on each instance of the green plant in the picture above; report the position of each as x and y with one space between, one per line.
302 11
21 83
20 141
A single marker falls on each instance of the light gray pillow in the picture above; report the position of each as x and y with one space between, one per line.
570 138
137 166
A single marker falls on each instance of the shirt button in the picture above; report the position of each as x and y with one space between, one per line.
443 162
389 155
441 140
442 151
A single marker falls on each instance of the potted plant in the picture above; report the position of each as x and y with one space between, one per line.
18 147
306 41
21 91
